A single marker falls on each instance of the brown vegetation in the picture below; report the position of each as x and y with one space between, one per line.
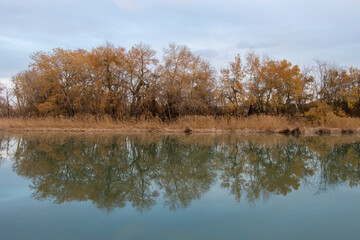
188 124
135 90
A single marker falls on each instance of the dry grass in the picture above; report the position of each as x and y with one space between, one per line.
193 123
224 123
343 123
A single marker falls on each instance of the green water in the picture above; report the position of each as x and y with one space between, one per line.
149 186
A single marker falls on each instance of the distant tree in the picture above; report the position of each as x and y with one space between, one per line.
232 83
352 94
187 82
28 92
254 84
58 77
3 105
339 87
284 86
105 90
140 78
110 81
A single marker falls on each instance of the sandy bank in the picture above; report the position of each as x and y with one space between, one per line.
191 124
306 131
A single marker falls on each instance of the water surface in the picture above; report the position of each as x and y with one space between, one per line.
149 186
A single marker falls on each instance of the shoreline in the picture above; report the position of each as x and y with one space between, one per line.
191 124
303 131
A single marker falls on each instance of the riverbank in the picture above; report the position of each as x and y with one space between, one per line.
189 124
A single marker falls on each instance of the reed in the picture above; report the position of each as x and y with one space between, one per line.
193 123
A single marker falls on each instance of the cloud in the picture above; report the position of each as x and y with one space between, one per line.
132 5
6 82
257 44
128 4
207 53
15 43
16 55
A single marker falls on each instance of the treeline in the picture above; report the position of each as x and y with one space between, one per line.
110 81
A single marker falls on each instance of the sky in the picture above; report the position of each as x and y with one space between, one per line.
297 30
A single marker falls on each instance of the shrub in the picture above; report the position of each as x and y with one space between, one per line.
320 114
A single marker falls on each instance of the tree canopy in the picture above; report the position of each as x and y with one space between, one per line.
112 81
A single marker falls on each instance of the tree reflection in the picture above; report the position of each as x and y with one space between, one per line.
336 162
186 171
113 170
260 170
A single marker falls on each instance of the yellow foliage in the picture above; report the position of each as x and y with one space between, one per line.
109 80
45 108
320 113
339 112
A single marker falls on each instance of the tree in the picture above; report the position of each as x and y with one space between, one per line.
187 82
339 87
254 84
106 89
275 87
352 94
140 78
110 81
4 102
28 92
59 74
232 83
284 85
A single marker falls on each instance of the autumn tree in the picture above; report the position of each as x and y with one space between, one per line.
5 107
284 86
58 76
106 90
263 85
339 87
2 99
187 82
254 85
110 81
352 94
232 84
28 92
141 80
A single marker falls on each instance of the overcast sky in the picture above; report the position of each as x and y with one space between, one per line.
298 30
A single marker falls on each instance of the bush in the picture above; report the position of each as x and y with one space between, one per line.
320 114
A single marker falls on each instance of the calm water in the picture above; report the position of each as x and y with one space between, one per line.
104 186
